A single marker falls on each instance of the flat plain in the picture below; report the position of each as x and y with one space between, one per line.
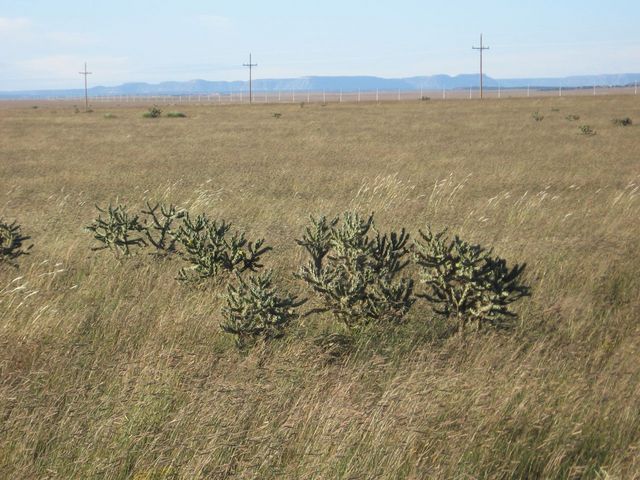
112 369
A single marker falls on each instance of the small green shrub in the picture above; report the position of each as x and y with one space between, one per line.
465 282
573 118
537 116
255 309
587 130
212 250
12 243
176 115
277 115
622 122
356 274
119 231
159 231
153 112
110 116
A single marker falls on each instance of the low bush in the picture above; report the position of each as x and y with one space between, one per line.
537 116
465 282
355 273
110 116
12 243
255 309
573 118
622 122
176 115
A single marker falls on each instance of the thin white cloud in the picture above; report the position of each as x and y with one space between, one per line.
68 38
10 26
24 31
59 67
215 22
7 23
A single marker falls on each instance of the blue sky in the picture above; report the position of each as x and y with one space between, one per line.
45 42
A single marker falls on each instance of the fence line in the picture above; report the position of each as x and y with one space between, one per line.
308 96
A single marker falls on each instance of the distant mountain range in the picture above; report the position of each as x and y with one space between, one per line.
335 84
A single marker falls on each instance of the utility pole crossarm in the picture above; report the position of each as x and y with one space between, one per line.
86 92
481 48
250 65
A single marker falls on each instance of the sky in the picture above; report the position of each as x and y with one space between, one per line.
46 42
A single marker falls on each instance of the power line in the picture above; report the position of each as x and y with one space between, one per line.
250 65
86 91
482 48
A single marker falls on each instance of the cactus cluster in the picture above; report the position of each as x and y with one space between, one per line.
465 282
355 270
12 242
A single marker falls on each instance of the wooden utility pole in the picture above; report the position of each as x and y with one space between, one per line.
250 65
86 91
482 48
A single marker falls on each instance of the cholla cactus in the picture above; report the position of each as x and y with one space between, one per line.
160 232
119 231
587 130
465 282
153 112
537 116
212 250
11 243
254 309
355 273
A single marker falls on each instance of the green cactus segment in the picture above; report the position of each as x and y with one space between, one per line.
160 232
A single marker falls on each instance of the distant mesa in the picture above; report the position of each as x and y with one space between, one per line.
335 84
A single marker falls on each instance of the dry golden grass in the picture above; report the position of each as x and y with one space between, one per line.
112 370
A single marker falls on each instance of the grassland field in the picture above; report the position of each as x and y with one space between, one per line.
111 369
